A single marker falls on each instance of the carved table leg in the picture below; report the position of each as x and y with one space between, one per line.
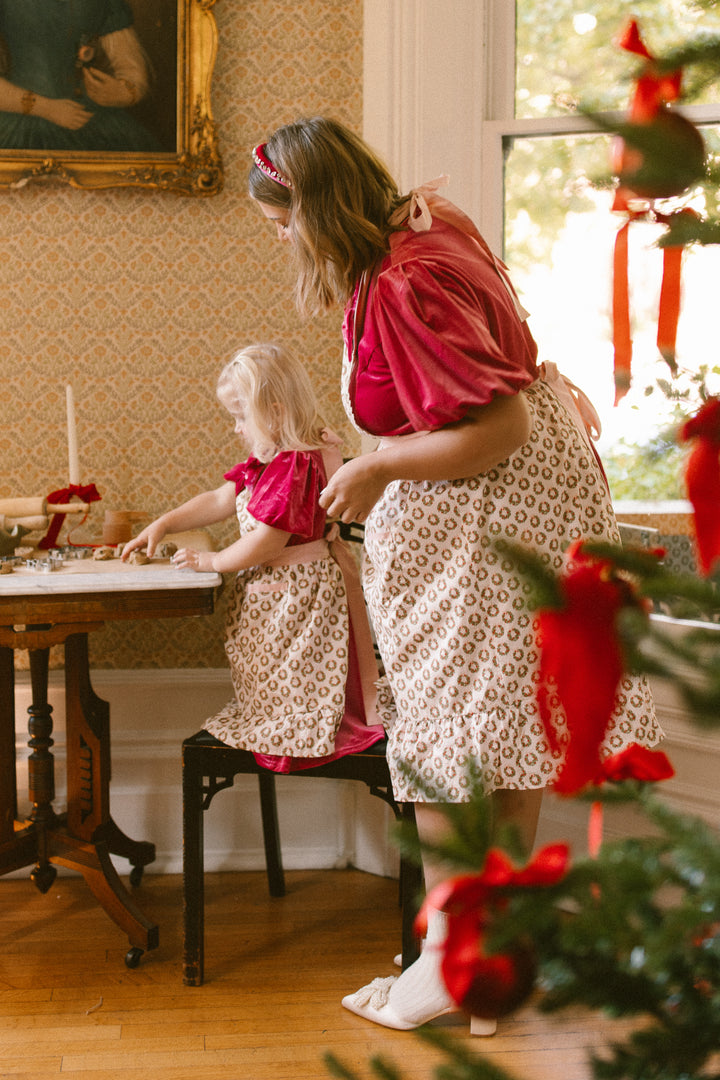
41 768
8 782
92 835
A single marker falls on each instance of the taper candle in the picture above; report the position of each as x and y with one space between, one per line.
73 463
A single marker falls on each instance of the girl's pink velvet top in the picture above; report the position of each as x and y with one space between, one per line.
440 334
285 492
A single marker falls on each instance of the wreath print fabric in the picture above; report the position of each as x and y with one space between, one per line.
452 619
286 642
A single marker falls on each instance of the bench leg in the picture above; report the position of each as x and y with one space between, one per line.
411 885
193 878
271 834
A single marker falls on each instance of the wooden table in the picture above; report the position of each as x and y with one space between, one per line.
37 610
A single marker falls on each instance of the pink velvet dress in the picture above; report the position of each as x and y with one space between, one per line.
297 639
435 331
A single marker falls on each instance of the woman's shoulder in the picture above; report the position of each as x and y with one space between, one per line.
445 240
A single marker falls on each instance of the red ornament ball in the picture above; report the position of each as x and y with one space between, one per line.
675 157
490 986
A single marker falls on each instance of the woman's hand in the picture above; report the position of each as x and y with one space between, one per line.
190 559
354 489
486 436
108 91
63 112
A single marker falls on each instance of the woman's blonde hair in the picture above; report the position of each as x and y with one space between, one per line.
339 205
273 389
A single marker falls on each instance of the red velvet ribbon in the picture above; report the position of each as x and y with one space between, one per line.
669 310
702 480
653 91
622 336
670 296
581 663
87 493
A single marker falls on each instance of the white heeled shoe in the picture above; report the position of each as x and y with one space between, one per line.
372 1003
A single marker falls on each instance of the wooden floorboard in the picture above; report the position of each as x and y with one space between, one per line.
276 970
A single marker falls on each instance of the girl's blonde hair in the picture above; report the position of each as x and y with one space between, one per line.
339 206
273 389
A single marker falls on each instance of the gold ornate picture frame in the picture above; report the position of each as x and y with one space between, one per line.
163 138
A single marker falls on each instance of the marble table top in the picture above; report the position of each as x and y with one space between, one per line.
111 575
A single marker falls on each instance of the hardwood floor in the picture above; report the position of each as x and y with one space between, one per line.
270 1008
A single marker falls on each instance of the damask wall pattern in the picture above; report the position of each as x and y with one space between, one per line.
137 298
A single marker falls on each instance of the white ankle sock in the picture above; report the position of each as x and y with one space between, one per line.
420 991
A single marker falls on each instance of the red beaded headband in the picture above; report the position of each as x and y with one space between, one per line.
266 166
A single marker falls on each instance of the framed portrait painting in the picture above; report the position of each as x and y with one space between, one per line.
109 93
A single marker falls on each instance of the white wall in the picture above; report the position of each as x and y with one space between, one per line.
424 92
323 824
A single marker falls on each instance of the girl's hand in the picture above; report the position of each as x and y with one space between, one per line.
190 559
354 489
149 538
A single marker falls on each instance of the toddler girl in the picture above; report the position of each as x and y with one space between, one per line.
297 640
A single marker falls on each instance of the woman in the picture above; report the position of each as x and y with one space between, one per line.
68 73
475 445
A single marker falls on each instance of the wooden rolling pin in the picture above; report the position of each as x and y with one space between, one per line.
38 507
34 513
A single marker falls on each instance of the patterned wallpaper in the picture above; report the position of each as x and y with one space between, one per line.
137 299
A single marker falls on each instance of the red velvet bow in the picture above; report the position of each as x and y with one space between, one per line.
87 493
653 88
581 661
245 474
489 984
702 480
637 762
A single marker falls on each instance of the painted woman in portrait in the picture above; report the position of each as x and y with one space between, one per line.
69 72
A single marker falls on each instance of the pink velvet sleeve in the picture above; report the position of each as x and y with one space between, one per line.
285 495
439 333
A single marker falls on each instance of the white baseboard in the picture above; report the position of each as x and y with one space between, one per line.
328 824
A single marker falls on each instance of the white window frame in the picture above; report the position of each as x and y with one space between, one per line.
500 123
439 96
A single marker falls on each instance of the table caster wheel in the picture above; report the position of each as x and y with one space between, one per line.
42 876
136 875
132 957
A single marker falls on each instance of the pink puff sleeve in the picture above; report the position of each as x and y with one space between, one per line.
447 336
285 495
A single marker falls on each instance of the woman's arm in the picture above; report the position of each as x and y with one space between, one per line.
205 509
258 547
129 81
61 111
484 437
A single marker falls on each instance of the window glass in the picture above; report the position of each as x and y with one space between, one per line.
566 53
560 230
559 239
